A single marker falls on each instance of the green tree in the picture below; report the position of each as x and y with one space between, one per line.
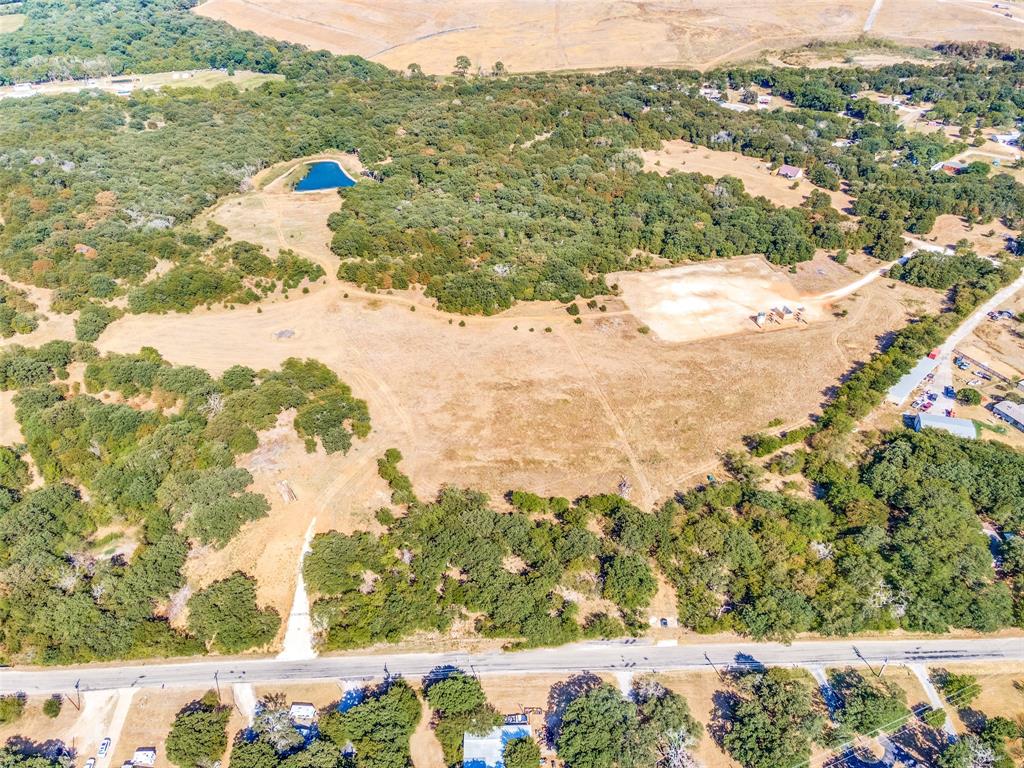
198 737
960 690
868 706
226 617
628 581
968 396
462 65
775 721
599 730
521 752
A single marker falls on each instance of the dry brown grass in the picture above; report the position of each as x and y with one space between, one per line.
757 177
499 403
11 22
531 35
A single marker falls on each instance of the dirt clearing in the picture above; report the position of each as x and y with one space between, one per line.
711 299
278 219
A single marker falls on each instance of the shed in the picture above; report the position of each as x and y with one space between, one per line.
952 167
488 751
144 756
958 427
1010 412
302 711
790 172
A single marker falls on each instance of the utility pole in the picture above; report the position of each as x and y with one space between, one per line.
709 661
78 695
216 681
867 663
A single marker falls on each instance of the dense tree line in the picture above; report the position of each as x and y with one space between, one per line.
124 37
462 199
164 479
892 543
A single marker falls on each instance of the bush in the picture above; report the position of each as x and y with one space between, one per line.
92 320
12 707
52 706
968 396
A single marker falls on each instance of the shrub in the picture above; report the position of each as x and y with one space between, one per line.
52 706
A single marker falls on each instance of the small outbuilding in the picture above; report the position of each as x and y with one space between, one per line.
959 427
790 172
302 712
144 756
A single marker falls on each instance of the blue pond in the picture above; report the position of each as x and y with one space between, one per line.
324 175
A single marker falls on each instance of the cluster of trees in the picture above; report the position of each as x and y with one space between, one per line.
369 728
943 271
11 756
17 313
986 744
199 734
457 555
166 479
895 541
653 726
124 37
460 707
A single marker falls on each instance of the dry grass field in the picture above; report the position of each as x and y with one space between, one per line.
11 22
526 399
532 35
757 177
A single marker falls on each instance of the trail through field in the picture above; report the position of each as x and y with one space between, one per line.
872 15
647 495
298 637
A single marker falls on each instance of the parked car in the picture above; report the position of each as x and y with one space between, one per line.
90 763
932 396
949 391
104 747
926 406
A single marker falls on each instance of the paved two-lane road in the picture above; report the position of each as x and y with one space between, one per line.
594 657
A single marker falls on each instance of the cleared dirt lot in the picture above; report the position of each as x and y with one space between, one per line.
710 299
530 35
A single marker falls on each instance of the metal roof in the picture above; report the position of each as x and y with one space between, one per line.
958 427
488 751
1011 410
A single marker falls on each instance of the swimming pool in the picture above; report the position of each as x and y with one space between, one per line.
326 174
